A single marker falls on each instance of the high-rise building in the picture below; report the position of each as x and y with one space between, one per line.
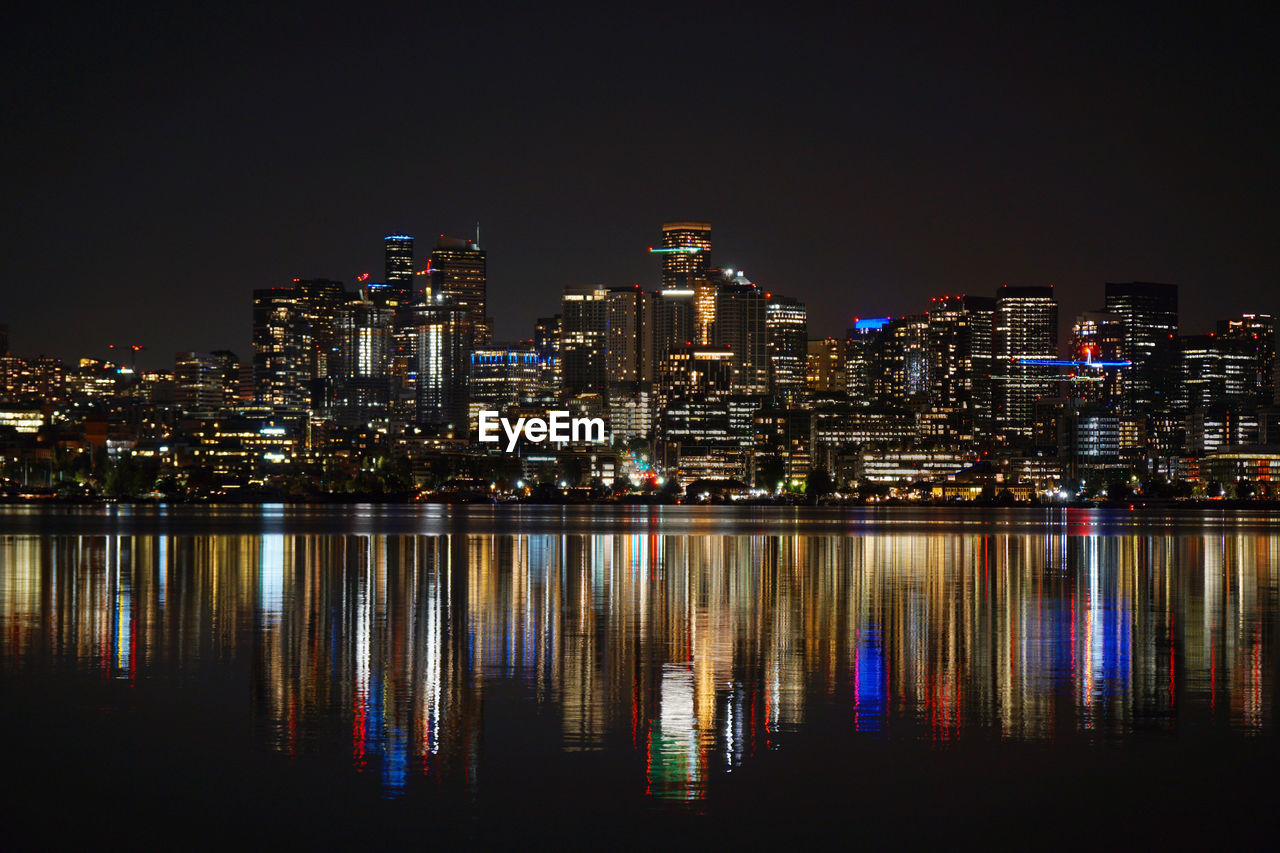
629 320
1025 335
787 333
283 349
904 371
825 366
673 321
861 360
443 352
459 275
1148 313
685 250
584 341
1097 340
546 343
362 384
1256 333
502 376
399 277
739 326
198 381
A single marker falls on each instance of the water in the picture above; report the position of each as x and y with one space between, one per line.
615 676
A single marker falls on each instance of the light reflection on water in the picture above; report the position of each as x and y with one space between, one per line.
686 654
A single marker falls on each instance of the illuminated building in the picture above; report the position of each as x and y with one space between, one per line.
629 336
861 363
398 268
459 275
673 321
283 350
1097 337
1148 315
294 343
908 466
1217 371
824 366
697 371
584 340
1025 336
739 326
502 376
362 384
685 249
443 352
903 374
787 333
199 382
1256 334
958 346
783 434
546 342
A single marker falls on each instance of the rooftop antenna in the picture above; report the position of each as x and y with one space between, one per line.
477 235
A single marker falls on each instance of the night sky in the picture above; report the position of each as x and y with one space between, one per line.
159 165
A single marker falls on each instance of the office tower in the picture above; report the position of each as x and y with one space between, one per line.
861 359
398 273
980 329
824 366
283 349
673 321
443 351
501 377
685 250
697 371
739 326
787 333
1149 314
1097 340
237 381
459 275
198 381
1025 337
546 342
904 370
1256 333
362 383
584 344
629 339
1217 371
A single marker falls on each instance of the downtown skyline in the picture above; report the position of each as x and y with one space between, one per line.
861 160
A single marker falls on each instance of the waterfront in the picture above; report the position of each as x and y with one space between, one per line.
578 673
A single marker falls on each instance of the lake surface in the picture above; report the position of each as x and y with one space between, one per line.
605 677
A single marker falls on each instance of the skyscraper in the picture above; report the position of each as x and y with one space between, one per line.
1025 337
1256 333
398 275
1148 313
787 331
283 349
630 335
584 340
685 250
459 275
363 381
443 352
739 326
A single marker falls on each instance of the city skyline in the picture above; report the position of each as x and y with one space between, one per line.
865 160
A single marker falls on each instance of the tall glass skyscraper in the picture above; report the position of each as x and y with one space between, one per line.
399 268
685 252
459 275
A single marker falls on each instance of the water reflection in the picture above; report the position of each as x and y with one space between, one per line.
688 654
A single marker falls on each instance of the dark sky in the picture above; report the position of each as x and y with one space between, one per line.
158 165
